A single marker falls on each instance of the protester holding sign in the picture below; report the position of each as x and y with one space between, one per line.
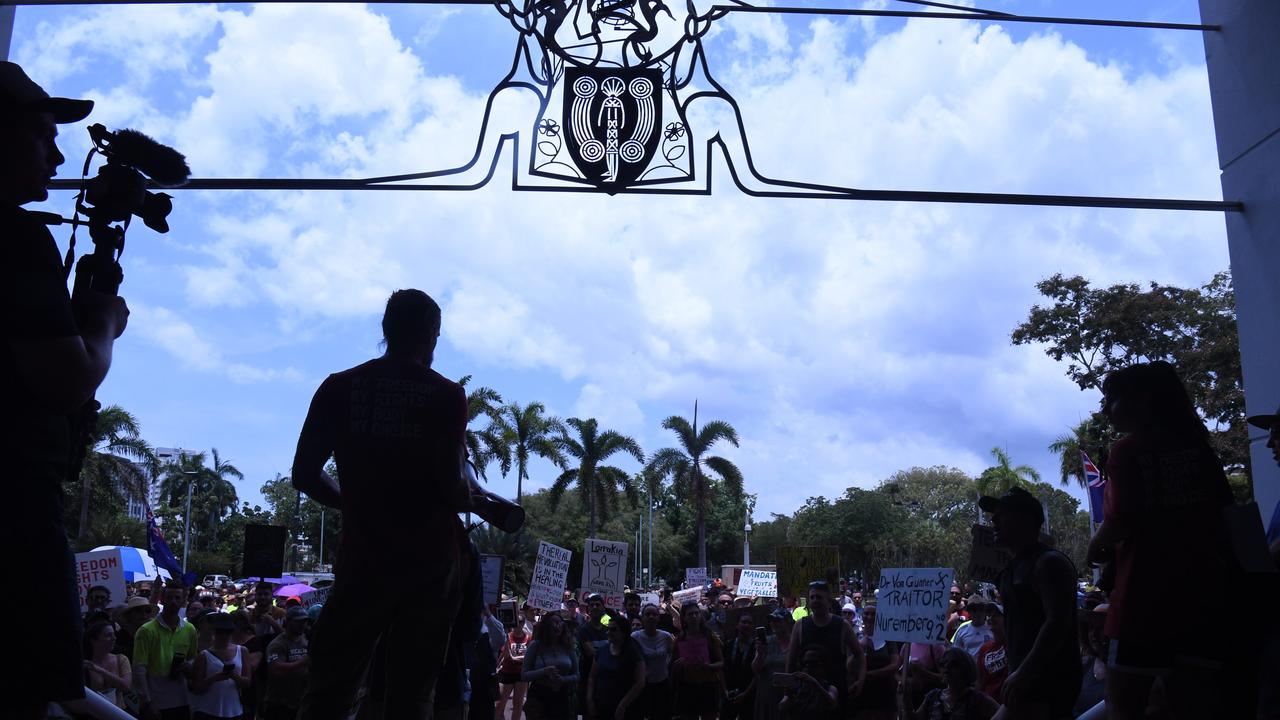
877 701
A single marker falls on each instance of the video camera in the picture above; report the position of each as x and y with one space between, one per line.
112 198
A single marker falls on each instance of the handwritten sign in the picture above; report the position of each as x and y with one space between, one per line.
799 565
604 570
912 604
491 575
315 597
546 591
695 577
101 567
986 559
650 598
684 597
758 583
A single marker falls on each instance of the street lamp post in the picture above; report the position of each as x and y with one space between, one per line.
186 518
746 543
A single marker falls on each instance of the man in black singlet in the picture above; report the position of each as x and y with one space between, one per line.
844 662
1039 591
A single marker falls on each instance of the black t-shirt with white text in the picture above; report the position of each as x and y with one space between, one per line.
395 429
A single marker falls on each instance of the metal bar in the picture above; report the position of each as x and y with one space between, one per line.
956 7
968 16
969 198
728 8
6 30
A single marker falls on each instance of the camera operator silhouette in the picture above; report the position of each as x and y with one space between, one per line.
611 95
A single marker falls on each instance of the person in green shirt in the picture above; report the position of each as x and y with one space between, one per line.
162 654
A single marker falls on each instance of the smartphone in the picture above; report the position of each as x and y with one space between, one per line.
761 634
229 669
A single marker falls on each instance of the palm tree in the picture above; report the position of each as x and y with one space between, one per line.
685 466
212 493
117 455
1093 437
597 484
487 444
528 431
1000 478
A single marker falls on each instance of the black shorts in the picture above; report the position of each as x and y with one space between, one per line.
508 678
697 698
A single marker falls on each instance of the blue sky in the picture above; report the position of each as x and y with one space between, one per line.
844 340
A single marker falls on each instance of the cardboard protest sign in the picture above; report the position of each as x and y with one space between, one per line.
604 570
491 575
695 577
758 583
986 559
546 591
101 567
684 597
799 565
912 604
315 597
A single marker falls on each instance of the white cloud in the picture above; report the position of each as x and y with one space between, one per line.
165 329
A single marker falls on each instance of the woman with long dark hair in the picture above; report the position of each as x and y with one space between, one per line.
695 672
617 676
1163 519
551 669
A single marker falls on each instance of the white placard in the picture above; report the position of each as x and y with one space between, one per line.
758 583
912 604
546 591
491 575
684 597
100 567
650 598
604 570
695 577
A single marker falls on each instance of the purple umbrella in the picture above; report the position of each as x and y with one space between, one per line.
291 590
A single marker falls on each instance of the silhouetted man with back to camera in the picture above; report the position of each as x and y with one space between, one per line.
1038 588
50 366
396 429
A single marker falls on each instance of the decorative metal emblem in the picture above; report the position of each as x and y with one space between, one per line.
614 118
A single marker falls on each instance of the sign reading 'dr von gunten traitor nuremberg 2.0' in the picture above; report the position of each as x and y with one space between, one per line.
912 604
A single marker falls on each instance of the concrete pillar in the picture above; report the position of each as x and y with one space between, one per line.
6 29
1244 83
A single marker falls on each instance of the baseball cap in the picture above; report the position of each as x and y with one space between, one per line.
1266 422
1016 500
295 613
849 607
19 92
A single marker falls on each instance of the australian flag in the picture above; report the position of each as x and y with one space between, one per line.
161 553
1096 484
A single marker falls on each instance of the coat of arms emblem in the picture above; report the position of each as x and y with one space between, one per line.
613 119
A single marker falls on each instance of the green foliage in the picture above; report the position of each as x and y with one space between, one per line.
687 469
118 463
301 516
1003 476
525 431
596 483
112 529
1098 330
1094 437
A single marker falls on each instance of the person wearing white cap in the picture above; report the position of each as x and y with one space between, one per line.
52 359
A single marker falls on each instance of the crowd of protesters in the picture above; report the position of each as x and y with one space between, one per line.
1042 641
